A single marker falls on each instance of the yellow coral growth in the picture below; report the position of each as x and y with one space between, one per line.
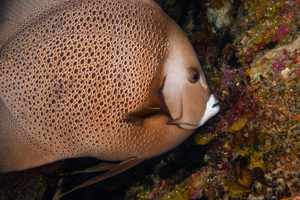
202 139
237 126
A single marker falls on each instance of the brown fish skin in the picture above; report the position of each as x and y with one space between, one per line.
70 73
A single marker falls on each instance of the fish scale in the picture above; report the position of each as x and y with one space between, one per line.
73 73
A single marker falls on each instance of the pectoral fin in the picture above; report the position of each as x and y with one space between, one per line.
172 93
114 171
139 115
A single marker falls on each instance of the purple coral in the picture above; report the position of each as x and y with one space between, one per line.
298 71
281 32
277 67
229 74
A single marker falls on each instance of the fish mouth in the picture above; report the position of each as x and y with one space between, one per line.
216 103
212 108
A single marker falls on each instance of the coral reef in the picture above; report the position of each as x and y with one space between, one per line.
253 146
30 184
189 188
218 14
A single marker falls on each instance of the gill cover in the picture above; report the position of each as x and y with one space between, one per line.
188 104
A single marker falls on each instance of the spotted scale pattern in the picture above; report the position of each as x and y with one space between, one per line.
69 76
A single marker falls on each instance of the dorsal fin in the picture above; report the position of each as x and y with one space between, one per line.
15 14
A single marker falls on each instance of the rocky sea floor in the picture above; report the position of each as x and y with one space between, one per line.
250 52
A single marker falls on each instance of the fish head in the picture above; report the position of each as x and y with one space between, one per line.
185 91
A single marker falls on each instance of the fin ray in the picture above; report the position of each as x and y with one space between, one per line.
97 168
114 171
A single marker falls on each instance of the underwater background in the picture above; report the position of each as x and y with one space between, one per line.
250 53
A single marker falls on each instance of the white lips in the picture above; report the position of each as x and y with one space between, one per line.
211 109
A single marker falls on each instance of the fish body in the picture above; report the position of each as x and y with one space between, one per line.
71 71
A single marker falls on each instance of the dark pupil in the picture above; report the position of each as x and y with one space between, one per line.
195 77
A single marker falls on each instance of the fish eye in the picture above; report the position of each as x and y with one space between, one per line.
193 75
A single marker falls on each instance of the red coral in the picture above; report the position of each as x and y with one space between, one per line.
296 197
248 56
297 58
160 185
257 47
197 194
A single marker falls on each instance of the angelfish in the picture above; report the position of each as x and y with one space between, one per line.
116 80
